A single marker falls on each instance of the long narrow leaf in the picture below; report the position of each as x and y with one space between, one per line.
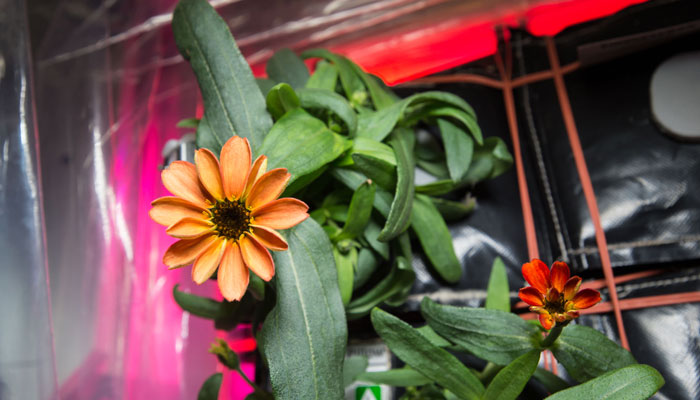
233 104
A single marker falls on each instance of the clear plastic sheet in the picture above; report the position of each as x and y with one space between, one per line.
27 368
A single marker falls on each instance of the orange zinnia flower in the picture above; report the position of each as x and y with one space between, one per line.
555 295
226 215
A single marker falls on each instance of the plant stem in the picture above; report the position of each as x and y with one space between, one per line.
245 377
552 336
490 370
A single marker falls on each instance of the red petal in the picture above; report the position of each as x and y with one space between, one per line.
552 295
571 287
586 298
547 321
559 275
536 274
531 296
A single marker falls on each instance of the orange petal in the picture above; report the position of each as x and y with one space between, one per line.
547 321
552 295
572 314
208 172
185 251
190 228
571 287
281 213
180 178
536 274
257 258
233 275
531 296
559 275
205 265
586 298
269 238
169 210
267 188
235 164
256 171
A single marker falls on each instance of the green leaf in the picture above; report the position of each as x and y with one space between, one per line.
259 395
345 263
399 218
201 306
188 123
435 238
377 125
371 234
511 380
304 336
353 86
359 212
326 100
400 277
634 382
281 99
453 210
498 293
210 388
459 148
325 77
550 381
395 377
233 104
285 66
374 149
587 353
301 143
492 335
434 338
429 112
379 171
265 85
367 263
352 367
489 161
353 179
437 188
432 361
381 96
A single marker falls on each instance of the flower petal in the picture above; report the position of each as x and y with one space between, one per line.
235 164
256 171
552 295
205 265
169 210
233 275
571 287
269 238
586 298
547 321
185 251
559 275
531 296
267 188
281 214
190 228
257 258
180 178
536 274
208 172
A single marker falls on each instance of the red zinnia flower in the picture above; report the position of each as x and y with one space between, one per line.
555 295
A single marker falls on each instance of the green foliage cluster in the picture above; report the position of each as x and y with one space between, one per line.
352 147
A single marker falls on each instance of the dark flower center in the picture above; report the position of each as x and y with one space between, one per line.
231 218
557 306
